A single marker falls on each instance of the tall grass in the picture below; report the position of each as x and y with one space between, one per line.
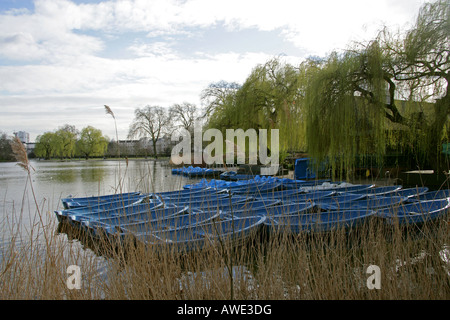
413 262
280 266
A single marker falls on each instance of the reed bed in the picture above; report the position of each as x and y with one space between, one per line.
413 262
36 259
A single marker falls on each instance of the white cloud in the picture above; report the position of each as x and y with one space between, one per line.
317 26
66 61
152 49
91 82
45 35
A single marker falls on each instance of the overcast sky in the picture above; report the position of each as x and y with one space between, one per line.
61 60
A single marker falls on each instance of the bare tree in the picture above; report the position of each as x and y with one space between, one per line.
150 121
185 115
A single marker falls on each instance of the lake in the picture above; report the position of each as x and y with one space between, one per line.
53 180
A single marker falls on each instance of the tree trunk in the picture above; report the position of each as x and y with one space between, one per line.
442 111
154 149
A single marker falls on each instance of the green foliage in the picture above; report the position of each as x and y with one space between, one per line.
342 124
92 142
269 99
390 94
46 145
5 148
65 141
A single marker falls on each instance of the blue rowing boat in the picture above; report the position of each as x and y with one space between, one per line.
216 204
193 238
311 196
431 195
203 172
415 213
210 198
274 211
222 184
353 188
132 216
337 200
193 197
234 176
283 194
370 203
319 222
250 205
296 184
410 192
378 191
70 202
136 209
185 192
196 172
256 188
116 206
171 222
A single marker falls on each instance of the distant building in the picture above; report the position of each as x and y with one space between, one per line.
142 147
30 147
23 136
163 145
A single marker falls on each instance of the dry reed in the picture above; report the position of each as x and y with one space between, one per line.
281 266
270 266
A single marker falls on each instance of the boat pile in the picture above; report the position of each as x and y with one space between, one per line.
234 176
196 172
210 212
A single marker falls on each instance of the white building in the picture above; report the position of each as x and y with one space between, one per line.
144 146
23 136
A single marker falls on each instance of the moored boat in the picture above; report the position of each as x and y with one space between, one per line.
410 192
371 203
169 222
378 191
319 222
106 208
71 202
131 216
431 195
415 213
274 211
193 238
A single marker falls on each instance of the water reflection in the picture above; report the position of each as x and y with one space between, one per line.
86 240
53 180
63 176
94 174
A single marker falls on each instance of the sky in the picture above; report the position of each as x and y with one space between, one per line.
61 61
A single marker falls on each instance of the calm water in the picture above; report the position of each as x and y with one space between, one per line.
52 181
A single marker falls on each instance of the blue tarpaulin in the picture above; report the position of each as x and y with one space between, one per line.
302 169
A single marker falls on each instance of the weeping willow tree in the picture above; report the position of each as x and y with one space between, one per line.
219 98
391 92
421 70
345 110
270 98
